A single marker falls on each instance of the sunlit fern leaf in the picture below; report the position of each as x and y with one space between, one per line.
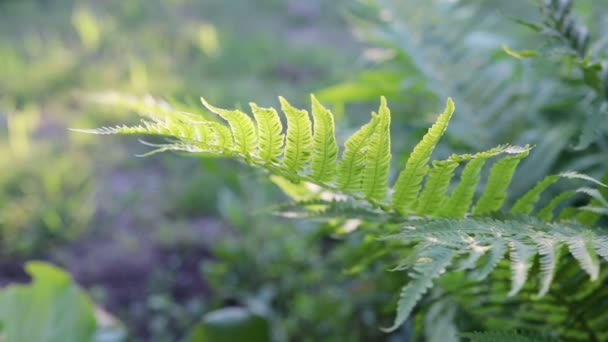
325 147
378 157
176 147
270 133
409 181
503 336
301 191
499 179
436 186
242 127
222 136
317 208
196 134
128 130
299 137
431 263
461 198
353 157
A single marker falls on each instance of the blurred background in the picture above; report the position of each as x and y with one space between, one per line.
158 242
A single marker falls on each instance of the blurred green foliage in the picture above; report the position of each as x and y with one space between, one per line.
45 195
418 53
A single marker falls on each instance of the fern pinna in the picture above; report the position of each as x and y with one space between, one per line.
447 225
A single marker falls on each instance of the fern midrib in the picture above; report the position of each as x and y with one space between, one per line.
271 140
324 153
243 137
376 160
298 147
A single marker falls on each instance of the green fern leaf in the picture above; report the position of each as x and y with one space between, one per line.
520 254
546 213
459 202
270 133
409 181
582 249
525 204
128 130
299 137
353 157
378 157
223 137
598 206
436 187
500 177
325 147
431 264
242 127
498 248
549 254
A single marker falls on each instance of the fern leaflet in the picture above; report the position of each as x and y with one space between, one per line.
325 147
408 184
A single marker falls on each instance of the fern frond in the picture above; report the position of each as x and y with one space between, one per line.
409 181
357 187
378 157
526 237
499 179
299 137
430 264
270 133
325 147
242 127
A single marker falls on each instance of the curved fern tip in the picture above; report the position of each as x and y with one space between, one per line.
254 106
284 102
450 105
208 105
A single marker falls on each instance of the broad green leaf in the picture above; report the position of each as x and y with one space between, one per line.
50 309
